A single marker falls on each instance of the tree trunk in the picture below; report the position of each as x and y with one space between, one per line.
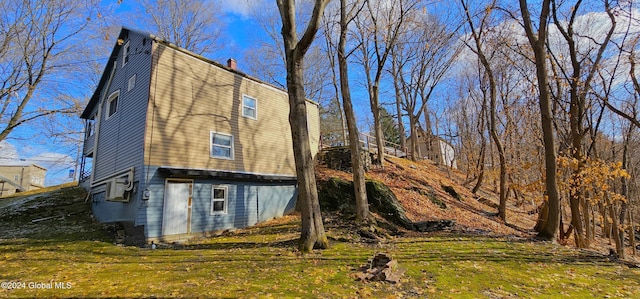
396 85
550 229
632 233
377 123
414 138
362 204
312 233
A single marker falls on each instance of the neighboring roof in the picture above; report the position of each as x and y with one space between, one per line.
18 163
124 32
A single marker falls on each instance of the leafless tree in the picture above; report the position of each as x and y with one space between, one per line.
312 234
549 229
378 31
477 32
37 43
195 25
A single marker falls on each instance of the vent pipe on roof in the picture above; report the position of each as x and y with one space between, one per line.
231 63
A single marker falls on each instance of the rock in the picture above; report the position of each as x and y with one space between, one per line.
488 202
432 226
452 191
339 158
337 195
380 268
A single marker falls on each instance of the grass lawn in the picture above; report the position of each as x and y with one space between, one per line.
261 262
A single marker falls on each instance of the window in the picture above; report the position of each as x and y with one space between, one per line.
249 107
16 178
219 196
36 180
112 104
221 146
90 127
132 83
125 54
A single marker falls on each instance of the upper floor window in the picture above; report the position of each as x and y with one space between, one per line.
221 146
132 83
89 129
249 107
125 54
112 104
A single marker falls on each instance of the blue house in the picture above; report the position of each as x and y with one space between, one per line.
177 145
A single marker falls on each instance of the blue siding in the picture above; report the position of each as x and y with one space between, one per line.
248 203
276 200
121 137
109 211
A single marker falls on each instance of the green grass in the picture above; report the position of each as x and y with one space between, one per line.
261 262
258 264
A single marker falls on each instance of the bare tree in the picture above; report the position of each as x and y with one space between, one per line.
312 234
362 204
578 75
419 64
378 33
549 229
479 49
36 44
194 25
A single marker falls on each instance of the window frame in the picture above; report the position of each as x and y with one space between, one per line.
112 96
255 108
224 200
130 85
125 53
212 145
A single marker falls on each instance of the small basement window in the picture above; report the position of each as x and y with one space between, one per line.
249 107
112 104
221 146
219 197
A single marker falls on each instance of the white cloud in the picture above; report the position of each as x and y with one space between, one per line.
8 151
243 8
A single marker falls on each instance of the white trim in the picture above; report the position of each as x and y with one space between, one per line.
125 53
232 147
112 96
225 200
255 108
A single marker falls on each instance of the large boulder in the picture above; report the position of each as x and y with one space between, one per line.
337 195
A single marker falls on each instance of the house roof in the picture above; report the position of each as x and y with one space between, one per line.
124 32
19 163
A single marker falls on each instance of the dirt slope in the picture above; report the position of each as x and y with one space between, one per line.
420 187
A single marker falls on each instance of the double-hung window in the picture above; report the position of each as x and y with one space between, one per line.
125 54
221 146
249 107
219 197
112 104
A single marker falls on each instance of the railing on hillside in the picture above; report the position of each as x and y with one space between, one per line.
368 143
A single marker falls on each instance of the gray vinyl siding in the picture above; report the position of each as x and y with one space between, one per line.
121 136
88 144
248 203
109 211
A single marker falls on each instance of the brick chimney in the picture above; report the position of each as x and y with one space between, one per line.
231 63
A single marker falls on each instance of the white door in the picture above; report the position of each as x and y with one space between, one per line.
175 218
